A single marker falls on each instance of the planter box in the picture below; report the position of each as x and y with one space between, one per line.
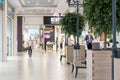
99 65
69 56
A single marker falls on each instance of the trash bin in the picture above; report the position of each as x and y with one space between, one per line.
117 54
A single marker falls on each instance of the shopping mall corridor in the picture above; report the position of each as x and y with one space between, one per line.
42 66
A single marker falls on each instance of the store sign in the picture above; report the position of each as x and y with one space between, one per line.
46 36
54 20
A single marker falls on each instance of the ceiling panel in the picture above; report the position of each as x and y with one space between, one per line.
38 7
35 12
39 3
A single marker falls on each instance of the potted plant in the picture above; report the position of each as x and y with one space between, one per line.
68 24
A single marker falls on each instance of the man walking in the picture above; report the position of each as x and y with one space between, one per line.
89 39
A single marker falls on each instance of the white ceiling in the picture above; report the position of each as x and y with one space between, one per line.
39 7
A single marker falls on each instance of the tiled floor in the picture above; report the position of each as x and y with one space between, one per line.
42 66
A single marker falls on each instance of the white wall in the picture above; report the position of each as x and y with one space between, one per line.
33 20
0 35
4 31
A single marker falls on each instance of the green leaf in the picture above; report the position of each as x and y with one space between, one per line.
68 23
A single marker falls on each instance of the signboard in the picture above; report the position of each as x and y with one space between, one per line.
54 20
47 36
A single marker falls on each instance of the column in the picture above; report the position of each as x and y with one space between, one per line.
15 33
4 32
89 65
19 34
0 35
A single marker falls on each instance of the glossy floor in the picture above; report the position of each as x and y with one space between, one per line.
42 66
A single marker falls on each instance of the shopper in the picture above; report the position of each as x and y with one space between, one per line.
89 38
30 45
29 51
61 43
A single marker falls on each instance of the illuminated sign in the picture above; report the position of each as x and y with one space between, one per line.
51 20
55 20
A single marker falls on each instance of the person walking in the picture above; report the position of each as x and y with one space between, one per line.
30 45
89 38
29 51
61 43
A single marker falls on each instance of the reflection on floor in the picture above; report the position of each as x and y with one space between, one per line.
41 66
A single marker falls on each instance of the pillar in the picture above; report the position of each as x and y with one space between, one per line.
15 33
4 32
0 34
19 34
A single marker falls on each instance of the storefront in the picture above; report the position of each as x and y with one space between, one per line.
31 31
56 34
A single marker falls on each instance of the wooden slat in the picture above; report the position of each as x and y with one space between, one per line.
70 53
102 65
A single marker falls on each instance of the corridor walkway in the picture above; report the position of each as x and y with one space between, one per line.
42 66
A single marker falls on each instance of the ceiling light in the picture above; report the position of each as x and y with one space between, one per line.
48 0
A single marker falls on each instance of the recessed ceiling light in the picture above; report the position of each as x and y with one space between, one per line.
48 0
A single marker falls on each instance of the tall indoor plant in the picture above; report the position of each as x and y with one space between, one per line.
99 16
68 24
